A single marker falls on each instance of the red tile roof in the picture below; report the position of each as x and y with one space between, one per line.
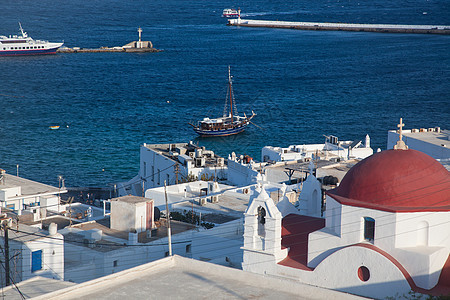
294 234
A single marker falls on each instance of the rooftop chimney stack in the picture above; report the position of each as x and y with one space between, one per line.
2 176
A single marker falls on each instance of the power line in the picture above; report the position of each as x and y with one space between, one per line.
187 241
100 244
299 223
226 241
9 276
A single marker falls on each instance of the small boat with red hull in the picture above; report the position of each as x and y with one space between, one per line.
230 123
22 44
231 13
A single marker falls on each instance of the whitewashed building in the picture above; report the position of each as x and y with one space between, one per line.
132 213
27 196
33 252
432 141
173 163
333 148
198 191
182 278
385 231
93 250
241 170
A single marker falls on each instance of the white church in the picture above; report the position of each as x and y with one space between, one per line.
385 231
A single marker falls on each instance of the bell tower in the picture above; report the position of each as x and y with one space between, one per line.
262 233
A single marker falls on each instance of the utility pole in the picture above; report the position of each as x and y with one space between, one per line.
5 228
177 170
169 235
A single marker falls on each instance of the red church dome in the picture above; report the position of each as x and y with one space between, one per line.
396 181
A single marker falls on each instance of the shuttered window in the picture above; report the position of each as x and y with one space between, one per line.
36 260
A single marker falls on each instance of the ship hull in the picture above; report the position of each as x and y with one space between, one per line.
224 132
230 15
28 52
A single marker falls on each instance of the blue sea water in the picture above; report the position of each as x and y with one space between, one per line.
302 84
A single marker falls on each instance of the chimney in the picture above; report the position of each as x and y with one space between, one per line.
2 176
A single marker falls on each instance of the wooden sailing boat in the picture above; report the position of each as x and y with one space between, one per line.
230 123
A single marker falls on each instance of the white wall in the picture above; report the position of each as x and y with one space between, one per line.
240 174
221 244
339 271
6 193
52 258
414 239
128 216
153 162
85 264
156 168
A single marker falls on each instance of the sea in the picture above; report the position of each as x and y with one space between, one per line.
301 84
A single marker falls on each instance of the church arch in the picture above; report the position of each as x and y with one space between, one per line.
261 221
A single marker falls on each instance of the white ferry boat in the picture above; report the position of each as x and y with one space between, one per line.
230 13
22 44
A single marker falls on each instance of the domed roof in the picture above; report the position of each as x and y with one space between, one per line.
396 181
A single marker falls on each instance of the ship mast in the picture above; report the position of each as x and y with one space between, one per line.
231 95
24 34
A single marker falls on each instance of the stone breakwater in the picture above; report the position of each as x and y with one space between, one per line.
382 28
106 49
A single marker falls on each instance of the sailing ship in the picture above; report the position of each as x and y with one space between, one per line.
230 123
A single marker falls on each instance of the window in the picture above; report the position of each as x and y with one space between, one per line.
145 169
115 263
36 261
188 248
153 173
159 177
369 229
167 253
363 273
261 220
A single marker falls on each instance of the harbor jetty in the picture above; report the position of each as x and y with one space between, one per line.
138 46
383 28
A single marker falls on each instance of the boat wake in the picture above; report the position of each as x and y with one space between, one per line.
273 13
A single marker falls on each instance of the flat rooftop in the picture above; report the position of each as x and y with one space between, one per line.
132 199
33 287
432 137
29 187
103 245
323 168
60 221
170 151
182 278
26 233
230 205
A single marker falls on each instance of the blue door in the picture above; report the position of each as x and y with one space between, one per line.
36 260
